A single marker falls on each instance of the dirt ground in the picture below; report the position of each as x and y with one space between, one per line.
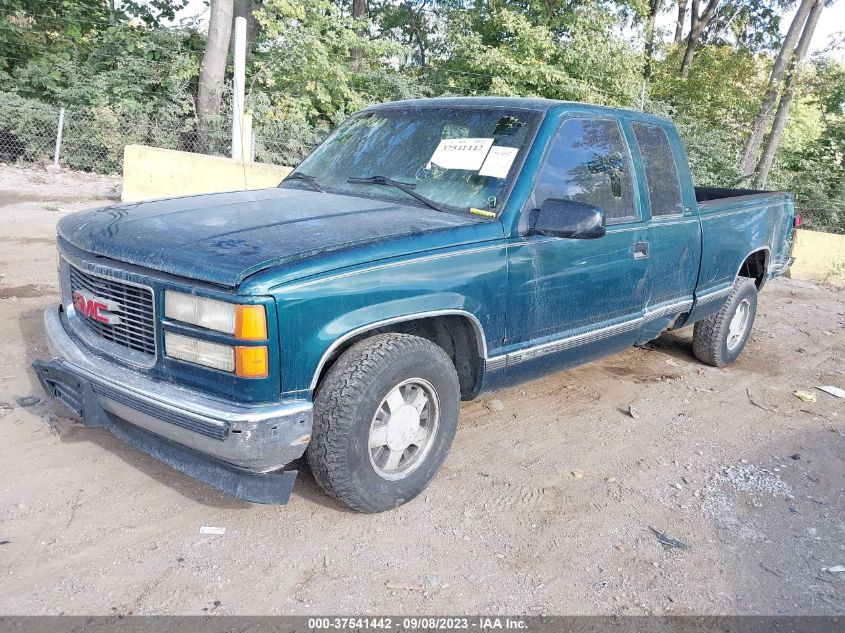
545 505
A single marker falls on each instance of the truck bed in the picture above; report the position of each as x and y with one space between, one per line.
736 222
713 194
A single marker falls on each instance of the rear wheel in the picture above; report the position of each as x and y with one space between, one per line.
385 416
719 339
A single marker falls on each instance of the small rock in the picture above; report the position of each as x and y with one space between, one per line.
28 401
495 405
679 486
610 480
578 473
836 569
672 363
634 413
432 581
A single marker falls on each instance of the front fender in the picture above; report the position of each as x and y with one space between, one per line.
317 316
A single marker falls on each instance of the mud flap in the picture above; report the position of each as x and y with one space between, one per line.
76 393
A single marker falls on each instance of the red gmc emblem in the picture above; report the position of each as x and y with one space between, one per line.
96 308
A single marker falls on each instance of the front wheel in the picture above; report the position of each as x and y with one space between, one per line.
385 416
719 339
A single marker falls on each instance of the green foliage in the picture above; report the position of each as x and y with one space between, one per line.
31 29
308 66
712 108
501 52
751 25
412 23
723 88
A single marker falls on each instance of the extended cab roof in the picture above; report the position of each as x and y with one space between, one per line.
542 105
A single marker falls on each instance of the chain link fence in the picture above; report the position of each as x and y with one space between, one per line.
92 139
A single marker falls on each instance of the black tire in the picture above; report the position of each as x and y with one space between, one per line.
710 336
347 400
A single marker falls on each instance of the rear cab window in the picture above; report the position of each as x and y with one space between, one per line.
660 170
589 161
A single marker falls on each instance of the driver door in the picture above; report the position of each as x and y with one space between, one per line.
568 293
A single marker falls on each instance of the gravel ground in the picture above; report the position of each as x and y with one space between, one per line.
646 483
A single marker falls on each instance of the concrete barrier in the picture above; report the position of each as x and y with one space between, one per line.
151 172
819 257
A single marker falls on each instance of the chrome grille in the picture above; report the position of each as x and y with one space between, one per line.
136 329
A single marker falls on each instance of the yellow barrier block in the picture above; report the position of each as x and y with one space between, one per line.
152 172
819 257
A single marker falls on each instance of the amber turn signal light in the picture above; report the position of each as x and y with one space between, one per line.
251 362
251 323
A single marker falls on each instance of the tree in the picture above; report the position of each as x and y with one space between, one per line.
213 68
360 12
501 51
247 9
411 23
653 10
698 23
782 115
307 72
679 22
764 115
33 29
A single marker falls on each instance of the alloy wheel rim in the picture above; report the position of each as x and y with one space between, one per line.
403 429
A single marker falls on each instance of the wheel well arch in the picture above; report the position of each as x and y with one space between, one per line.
755 266
458 333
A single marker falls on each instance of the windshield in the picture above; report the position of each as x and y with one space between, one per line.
454 159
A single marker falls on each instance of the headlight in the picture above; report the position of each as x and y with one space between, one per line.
200 352
243 321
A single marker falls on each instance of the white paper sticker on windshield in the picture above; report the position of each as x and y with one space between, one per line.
498 162
461 153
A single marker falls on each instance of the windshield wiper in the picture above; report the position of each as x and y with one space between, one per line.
311 180
407 187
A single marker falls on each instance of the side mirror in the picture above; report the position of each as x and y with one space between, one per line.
568 218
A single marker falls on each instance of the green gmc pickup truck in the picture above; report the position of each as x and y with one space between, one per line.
426 252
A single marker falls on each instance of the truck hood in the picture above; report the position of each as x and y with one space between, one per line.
223 238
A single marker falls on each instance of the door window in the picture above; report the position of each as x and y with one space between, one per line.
661 172
589 162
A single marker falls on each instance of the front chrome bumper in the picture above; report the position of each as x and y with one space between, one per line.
243 439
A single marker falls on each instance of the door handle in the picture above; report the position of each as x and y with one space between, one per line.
640 250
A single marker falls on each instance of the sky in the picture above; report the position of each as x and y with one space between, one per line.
832 22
